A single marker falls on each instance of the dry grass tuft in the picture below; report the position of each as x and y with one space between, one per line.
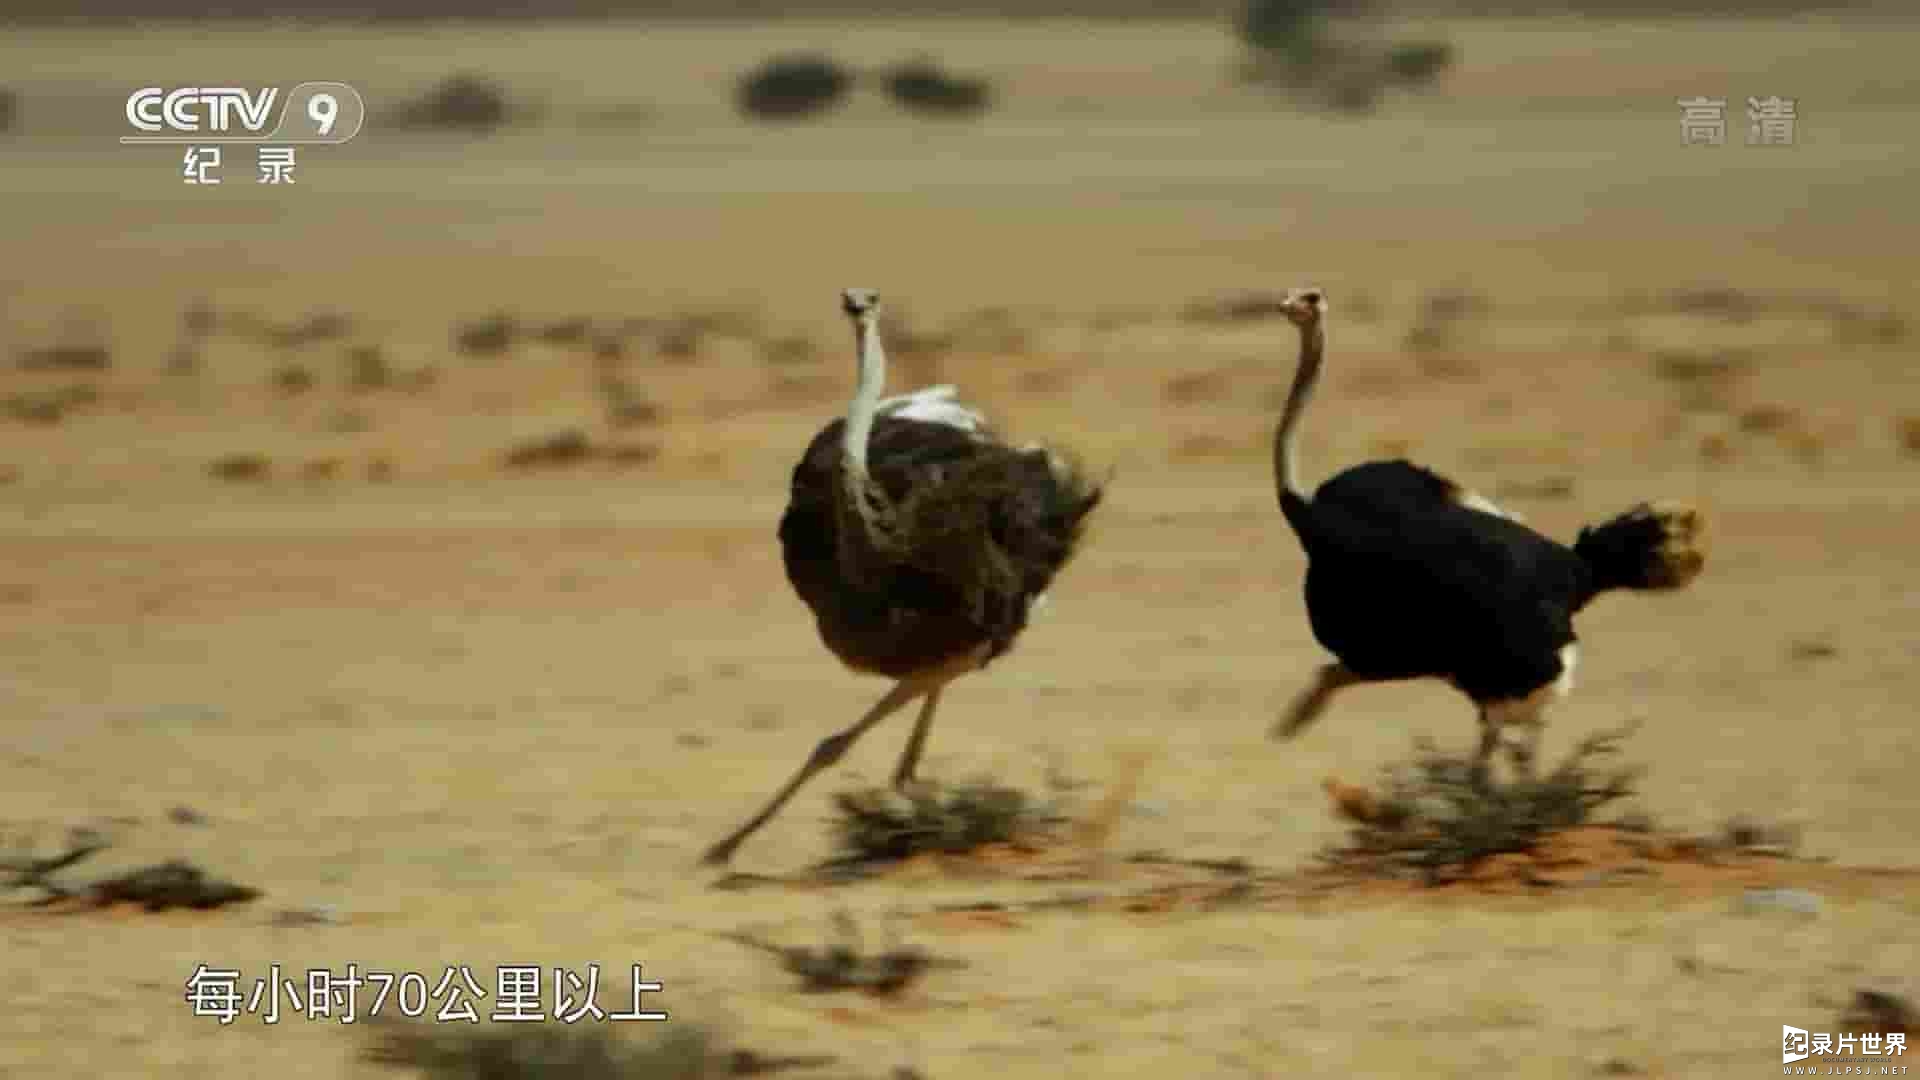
292 380
1877 1012
49 407
1433 816
175 883
1768 419
487 336
569 447
1703 380
882 825
241 468
572 331
67 357
1907 430
629 455
676 1050
465 101
922 86
1717 449
627 406
367 368
320 470
844 964
792 86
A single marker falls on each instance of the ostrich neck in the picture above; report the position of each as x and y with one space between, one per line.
860 502
1286 469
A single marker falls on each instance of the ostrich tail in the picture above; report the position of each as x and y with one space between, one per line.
1654 547
1070 493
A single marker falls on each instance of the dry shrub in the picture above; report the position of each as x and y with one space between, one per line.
460 102
67 356
420 379
1416 64
199 320
1717 449
49 406
681 342
1703 380
1878 1012
1907 430
486 336
882 825
569 447
320 326
367 368
632 454
1806 447
844 963
1852 326
175 883
1435 815
609 351
241 468
675 1050
1715 301
792 86
1767 419
626 405
292 380
922 86
320 470
570 331
1695 365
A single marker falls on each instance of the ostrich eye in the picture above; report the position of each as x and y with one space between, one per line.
1312 298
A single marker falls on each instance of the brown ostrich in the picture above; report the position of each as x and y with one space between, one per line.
921 543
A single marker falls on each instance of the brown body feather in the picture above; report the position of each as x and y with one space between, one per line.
970 532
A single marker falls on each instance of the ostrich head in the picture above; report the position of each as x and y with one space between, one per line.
1304 307
860 303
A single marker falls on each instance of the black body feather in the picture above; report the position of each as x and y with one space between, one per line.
1405 582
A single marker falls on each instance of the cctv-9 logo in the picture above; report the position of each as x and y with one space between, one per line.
311 112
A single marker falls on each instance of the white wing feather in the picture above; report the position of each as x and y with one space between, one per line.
935 405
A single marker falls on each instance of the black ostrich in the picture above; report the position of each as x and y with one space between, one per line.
921 543
1412 576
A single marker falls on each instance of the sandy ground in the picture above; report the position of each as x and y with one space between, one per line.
489 717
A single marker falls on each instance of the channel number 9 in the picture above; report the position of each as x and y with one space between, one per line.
324 110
